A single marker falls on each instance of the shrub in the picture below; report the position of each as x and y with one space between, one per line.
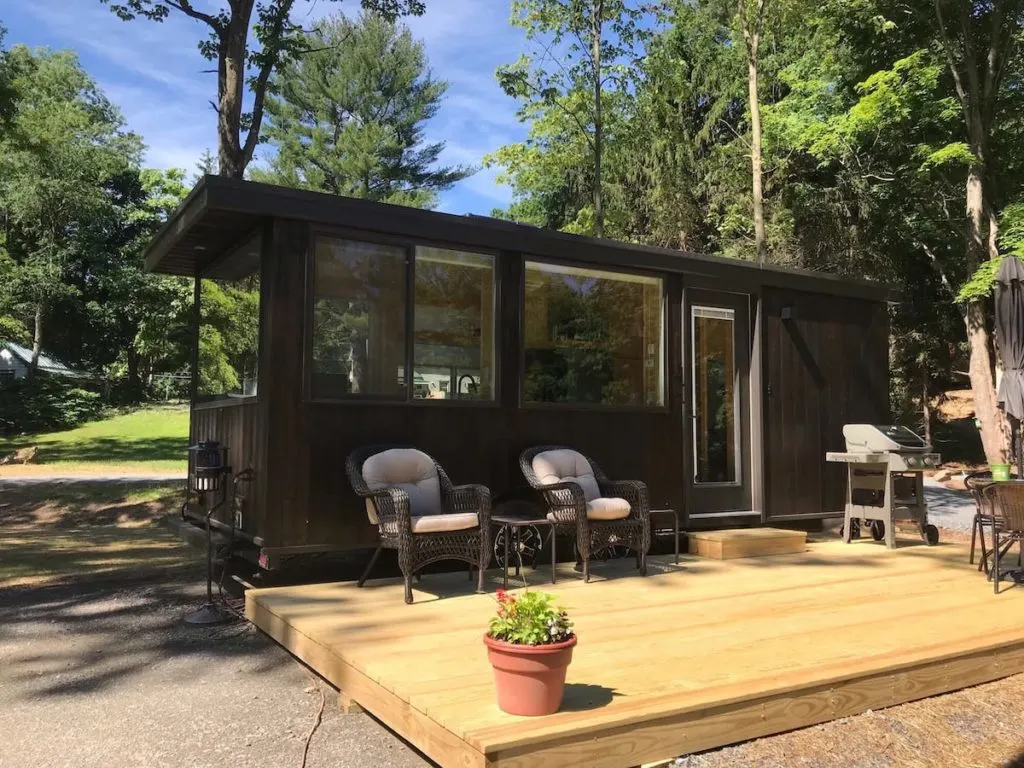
44 403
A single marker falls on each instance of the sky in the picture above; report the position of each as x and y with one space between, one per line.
154 73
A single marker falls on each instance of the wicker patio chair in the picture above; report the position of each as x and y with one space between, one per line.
582 501
976 482
419 513
1006 502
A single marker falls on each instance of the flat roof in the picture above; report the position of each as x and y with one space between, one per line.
220 213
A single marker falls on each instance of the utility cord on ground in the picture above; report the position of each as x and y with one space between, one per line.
316 723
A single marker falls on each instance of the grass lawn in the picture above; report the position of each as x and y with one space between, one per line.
147 440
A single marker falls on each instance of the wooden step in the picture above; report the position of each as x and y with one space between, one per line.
746 542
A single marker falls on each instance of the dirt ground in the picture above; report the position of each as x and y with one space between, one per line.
97 668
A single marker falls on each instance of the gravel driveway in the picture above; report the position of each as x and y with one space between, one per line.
948 508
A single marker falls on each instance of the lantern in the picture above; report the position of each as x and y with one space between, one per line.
209 461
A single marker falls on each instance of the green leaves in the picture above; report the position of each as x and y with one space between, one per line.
348 117
530 618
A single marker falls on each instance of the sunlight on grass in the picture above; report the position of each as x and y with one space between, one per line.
153 439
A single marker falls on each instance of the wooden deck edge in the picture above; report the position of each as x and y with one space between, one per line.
428 736
663 737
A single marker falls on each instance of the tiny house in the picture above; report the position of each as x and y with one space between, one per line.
718 382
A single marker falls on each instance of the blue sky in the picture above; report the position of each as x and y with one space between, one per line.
156 76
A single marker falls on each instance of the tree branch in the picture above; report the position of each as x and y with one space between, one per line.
186 7
569 113
947 47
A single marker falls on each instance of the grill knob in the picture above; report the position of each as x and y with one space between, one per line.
929 461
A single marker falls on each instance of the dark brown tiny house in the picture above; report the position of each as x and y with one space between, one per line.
718 382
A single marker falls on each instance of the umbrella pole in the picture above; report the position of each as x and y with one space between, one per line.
1015 432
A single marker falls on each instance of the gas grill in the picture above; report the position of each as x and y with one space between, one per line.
885 481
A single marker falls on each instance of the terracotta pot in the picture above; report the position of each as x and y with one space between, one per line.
530 678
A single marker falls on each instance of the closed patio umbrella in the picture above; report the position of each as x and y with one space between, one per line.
1010 336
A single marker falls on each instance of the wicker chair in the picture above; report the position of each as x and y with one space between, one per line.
583 502
976 482
419 513
1006 503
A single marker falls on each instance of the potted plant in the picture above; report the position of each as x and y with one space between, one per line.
529 644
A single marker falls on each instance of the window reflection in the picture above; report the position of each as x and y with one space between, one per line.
359 319
454 317
714 395
592 337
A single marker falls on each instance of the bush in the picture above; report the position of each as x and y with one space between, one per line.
45 403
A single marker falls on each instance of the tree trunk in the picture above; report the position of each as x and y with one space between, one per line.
755 149
598 11
993 425
231 66
926 405
37 341
994 434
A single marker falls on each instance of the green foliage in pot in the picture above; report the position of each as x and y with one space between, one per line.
532 618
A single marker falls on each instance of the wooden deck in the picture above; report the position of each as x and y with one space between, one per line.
695 656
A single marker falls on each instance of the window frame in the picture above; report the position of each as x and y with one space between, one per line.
408 245
259 234
664 407
737 436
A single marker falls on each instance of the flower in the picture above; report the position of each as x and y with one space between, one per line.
530 619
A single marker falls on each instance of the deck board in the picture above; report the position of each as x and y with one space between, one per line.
692 657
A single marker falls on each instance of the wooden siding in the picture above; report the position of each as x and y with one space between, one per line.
475 445
825 367
238 426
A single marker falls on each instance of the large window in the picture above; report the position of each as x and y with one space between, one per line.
360 317
454 311
592 337
229 325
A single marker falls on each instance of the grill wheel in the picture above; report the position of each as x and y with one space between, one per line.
877 530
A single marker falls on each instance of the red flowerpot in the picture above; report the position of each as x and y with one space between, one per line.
530 678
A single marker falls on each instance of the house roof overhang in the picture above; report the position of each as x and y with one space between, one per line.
221 213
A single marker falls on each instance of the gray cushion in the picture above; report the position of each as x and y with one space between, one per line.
607 509
563 465
412 471
455 521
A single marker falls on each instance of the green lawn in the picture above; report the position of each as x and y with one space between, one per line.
147 440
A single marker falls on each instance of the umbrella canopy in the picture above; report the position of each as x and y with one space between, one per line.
1010 335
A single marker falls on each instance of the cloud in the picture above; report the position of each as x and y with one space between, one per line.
155 74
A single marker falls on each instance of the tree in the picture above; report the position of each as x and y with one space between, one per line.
582 46
349 117
979 40
238 63
62 162
7 93
751 18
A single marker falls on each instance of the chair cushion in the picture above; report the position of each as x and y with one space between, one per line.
454 521
564 465
607 509
406 468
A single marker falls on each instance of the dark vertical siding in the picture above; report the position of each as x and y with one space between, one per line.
285 254
825 367
239 427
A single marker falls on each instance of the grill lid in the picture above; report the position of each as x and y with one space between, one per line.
872 438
